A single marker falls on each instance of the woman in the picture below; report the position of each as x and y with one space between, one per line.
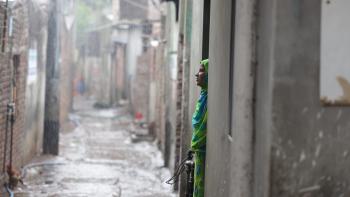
199 123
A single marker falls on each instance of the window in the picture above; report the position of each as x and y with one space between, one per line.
335 50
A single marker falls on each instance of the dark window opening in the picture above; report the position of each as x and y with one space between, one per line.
206 29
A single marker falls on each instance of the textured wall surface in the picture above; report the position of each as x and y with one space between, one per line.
19 48
302 146
310 142
35 87
230 98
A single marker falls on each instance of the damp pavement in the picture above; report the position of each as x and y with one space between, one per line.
98 159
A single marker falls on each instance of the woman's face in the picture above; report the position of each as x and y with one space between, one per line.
200 76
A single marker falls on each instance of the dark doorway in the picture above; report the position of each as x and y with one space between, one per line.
206 29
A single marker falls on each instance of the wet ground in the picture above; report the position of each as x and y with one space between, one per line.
98 159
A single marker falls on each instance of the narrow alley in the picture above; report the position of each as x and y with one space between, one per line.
174 98
98 158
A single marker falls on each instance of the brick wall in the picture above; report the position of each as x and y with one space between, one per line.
20 35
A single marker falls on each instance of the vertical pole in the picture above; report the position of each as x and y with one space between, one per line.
52 99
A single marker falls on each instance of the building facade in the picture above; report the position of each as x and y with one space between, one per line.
23 49
269 131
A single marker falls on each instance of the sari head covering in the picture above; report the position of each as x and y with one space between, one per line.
205 64
199 136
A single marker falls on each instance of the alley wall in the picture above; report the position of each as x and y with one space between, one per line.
231 98
272 136
218 181
14 67
35 83
308 142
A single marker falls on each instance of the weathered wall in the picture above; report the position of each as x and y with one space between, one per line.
244 64
265 55
20 49
230 98
35 87
309 143
217 182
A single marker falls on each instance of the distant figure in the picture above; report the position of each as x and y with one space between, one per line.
199 135
81 86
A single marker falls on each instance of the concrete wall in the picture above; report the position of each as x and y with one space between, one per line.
35 88
263 121
308 145
268 134
230 140
217 182
244 64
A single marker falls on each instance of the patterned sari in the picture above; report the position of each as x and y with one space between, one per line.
199 137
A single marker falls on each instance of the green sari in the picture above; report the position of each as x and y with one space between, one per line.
199 136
